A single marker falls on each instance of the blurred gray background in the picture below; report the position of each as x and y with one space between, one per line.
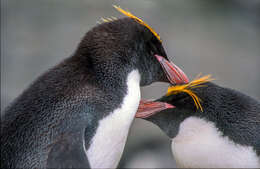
218 37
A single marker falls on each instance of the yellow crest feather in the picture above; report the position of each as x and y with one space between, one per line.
187 88
130 15
112 18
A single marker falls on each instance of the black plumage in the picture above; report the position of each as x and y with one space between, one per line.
235 114
46 124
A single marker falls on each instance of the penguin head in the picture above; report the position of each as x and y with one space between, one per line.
170 110
118 46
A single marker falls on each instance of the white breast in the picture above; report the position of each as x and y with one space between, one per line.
108 143
199 144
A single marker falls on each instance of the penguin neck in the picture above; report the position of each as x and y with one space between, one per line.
108 142
113 82
169 120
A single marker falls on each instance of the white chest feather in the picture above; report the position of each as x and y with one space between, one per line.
108 143
200 145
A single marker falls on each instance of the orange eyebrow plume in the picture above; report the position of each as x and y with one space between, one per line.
130 15
187 88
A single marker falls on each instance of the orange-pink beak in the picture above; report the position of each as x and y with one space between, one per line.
149 108
175 75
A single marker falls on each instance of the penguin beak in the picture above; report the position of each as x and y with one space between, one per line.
174 74
149 108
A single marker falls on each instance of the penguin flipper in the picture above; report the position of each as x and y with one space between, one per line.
68 153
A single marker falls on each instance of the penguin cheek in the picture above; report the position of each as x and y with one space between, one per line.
158 73
145 68
162 77
149 74
150 69
155 71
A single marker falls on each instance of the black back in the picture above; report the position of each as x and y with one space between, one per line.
235 114
63 106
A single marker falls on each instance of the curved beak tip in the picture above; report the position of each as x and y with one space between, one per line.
169 106
149 108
